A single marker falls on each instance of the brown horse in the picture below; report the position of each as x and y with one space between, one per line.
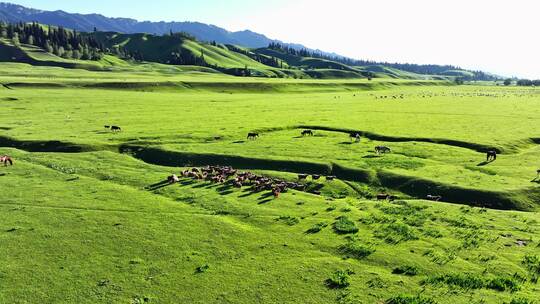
382 149
491 156
253 135
307 133
6 159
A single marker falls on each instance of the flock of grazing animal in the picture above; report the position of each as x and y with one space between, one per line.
258 183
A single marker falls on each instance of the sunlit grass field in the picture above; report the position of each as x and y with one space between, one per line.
80 225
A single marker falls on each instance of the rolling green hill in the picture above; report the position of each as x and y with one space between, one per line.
41 45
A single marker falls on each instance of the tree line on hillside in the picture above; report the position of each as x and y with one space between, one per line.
528 82
425 69
58 41
266 60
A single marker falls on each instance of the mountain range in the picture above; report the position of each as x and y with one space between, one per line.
88 22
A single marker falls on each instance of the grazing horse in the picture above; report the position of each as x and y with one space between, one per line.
491 155
436 198
307 133
355 136
382 150
253 135
116 129
6 159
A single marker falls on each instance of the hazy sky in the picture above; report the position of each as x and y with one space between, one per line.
493 35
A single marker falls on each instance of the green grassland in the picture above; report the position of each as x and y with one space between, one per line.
80 223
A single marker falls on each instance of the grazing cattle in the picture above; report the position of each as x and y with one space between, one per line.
116 129
173 179
307 133
315 176
330 178
491 155
253 135
107 127
302 176
382 149
6 159
436 198
355 137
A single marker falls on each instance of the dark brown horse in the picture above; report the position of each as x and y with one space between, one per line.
491 155
252 135
382 149
307 133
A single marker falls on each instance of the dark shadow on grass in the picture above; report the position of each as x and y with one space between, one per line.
371 156
346 143
484 163
239 142
224 187
187 182
158 185
266 201
247 193
226 192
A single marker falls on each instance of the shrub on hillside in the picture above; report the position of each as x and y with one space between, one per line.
471 281
405 299
520 301
355 250
396 233
406 270
317 228
343 225
532 263
339 279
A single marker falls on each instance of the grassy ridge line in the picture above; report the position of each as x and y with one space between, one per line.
50 146
8 52
239 85
416 187
379 137
413 186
